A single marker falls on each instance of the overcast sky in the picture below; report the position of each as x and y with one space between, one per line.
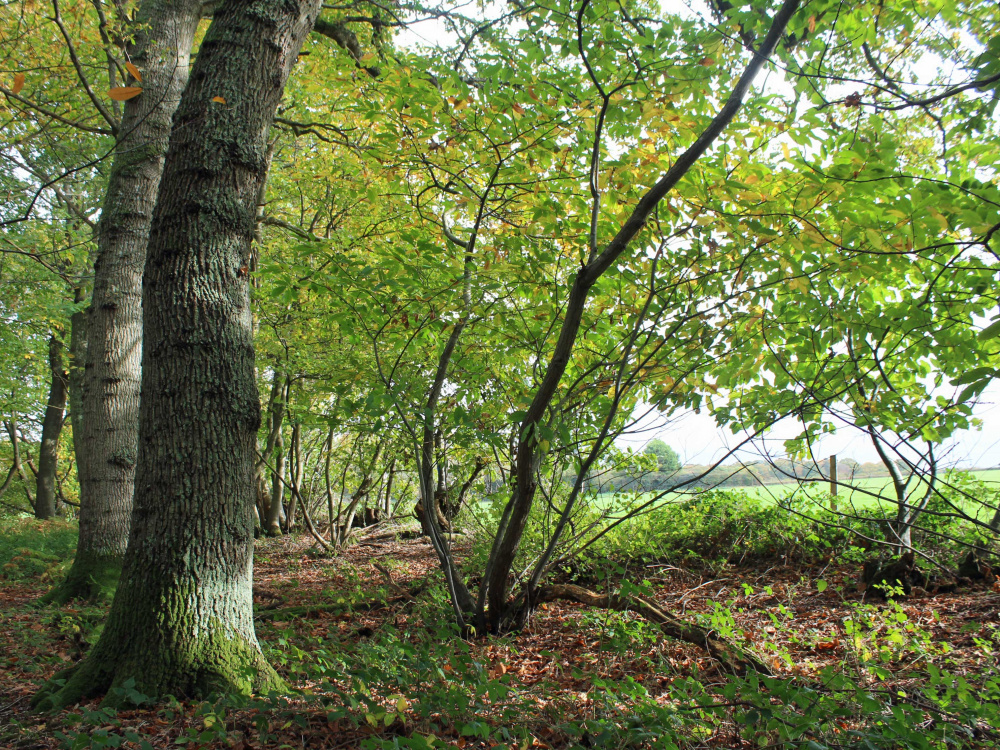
697 439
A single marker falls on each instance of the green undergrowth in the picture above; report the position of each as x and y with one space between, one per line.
36 551
421 686
718 527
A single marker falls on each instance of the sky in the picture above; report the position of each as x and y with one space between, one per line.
697 439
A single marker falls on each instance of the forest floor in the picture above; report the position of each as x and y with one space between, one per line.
391 673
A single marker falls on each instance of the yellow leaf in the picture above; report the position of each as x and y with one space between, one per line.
124 93
401 704
134 71
798 284
785 151
18 83
218 99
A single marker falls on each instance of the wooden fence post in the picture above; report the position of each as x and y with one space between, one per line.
833 482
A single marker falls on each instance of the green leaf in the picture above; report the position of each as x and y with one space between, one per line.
991 331
974 375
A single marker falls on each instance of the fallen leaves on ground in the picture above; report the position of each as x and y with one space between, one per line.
555 661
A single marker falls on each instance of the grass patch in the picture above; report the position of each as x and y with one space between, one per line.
870 493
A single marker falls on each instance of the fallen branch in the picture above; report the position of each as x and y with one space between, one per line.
728 654
380 532
387 575
310 610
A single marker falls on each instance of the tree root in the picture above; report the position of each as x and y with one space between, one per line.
728 654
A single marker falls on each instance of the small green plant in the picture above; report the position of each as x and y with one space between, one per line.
38 551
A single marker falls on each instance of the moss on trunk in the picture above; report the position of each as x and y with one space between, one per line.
216 661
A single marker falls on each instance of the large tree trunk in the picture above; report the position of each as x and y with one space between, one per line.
109 415
182 618
48 453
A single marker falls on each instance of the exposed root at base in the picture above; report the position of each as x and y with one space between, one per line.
121 681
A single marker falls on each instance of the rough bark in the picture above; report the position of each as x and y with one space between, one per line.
52 423
109 415
733 657
182 619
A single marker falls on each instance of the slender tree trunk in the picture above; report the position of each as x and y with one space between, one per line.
17 468
109 415
48 453
496 577
387 503
263 499
77 359
276 508
182 618
295 462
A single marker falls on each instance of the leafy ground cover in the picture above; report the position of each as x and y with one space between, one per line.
365 637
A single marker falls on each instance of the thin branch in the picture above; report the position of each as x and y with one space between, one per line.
98 104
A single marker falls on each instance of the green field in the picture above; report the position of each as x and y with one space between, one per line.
865 493
862 492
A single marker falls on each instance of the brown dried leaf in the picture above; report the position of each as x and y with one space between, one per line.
124 93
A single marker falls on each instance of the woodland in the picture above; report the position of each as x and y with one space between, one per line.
333 334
